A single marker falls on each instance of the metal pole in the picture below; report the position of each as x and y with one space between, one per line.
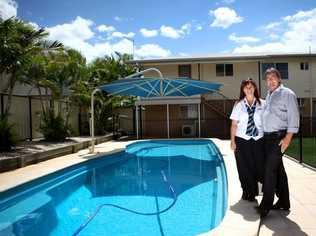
199 112
144 71
30 116
140 122
92 119
136 121
301 135
133 48
131 40
2 104
168 121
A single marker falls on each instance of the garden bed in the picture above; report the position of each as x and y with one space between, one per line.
27 153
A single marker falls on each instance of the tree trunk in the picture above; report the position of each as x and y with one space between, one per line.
41 99
12 82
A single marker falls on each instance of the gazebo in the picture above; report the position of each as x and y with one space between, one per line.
153 89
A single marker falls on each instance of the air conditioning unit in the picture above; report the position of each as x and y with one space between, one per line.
188 130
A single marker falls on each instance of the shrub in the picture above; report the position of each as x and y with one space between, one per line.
8 137
54 127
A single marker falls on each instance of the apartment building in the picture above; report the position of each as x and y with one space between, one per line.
298 73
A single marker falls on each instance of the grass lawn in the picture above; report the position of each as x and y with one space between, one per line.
309 150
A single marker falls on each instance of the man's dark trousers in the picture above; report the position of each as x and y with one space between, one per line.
275 178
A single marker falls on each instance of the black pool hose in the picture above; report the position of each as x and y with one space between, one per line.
83 225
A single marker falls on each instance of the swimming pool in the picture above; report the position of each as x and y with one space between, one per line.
157 187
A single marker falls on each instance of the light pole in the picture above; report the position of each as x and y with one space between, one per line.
133 43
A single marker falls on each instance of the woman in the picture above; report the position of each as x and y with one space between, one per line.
247 138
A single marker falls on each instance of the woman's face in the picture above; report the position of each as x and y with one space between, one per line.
249 90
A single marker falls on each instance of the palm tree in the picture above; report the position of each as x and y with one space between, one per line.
19 43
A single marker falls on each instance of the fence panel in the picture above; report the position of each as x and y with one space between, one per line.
25 115
19 116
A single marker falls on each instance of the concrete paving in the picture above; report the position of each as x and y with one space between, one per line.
241 218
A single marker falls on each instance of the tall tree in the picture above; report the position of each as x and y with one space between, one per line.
19 43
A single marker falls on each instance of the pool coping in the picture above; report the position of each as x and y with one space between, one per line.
240 217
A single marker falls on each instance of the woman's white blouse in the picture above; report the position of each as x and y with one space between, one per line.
240 115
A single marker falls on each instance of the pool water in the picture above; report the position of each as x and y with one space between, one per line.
154 187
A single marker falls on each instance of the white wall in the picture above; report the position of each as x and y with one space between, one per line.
300 81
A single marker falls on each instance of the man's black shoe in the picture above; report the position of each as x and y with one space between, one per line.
257 208
279 206
263 213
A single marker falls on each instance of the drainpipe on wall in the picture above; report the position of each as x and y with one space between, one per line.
259 76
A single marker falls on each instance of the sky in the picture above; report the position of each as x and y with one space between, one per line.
172 28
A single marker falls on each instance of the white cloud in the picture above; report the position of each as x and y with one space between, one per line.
117 34
264 48
106 28
224 17
117 18
148 33
78 34
274 36
183 54
34 25
121 19
77 30
186 28
242 39
301 15
8 8
271 26
170 32
298 33
228 1
198 27
151 51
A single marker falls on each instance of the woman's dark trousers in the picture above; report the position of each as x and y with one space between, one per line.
250 164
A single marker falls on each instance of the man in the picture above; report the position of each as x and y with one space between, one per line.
280 119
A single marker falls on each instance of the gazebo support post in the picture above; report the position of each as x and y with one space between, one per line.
137 128
168 132
199 114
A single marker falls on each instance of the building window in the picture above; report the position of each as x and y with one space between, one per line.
224 70
189 111
282 67
184 71
304 66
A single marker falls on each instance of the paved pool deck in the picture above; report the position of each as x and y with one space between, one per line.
241 218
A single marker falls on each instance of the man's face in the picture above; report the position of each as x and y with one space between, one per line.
272 81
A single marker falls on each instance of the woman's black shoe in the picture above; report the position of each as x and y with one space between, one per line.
251 198
244 196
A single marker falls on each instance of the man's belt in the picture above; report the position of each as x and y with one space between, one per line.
275 134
